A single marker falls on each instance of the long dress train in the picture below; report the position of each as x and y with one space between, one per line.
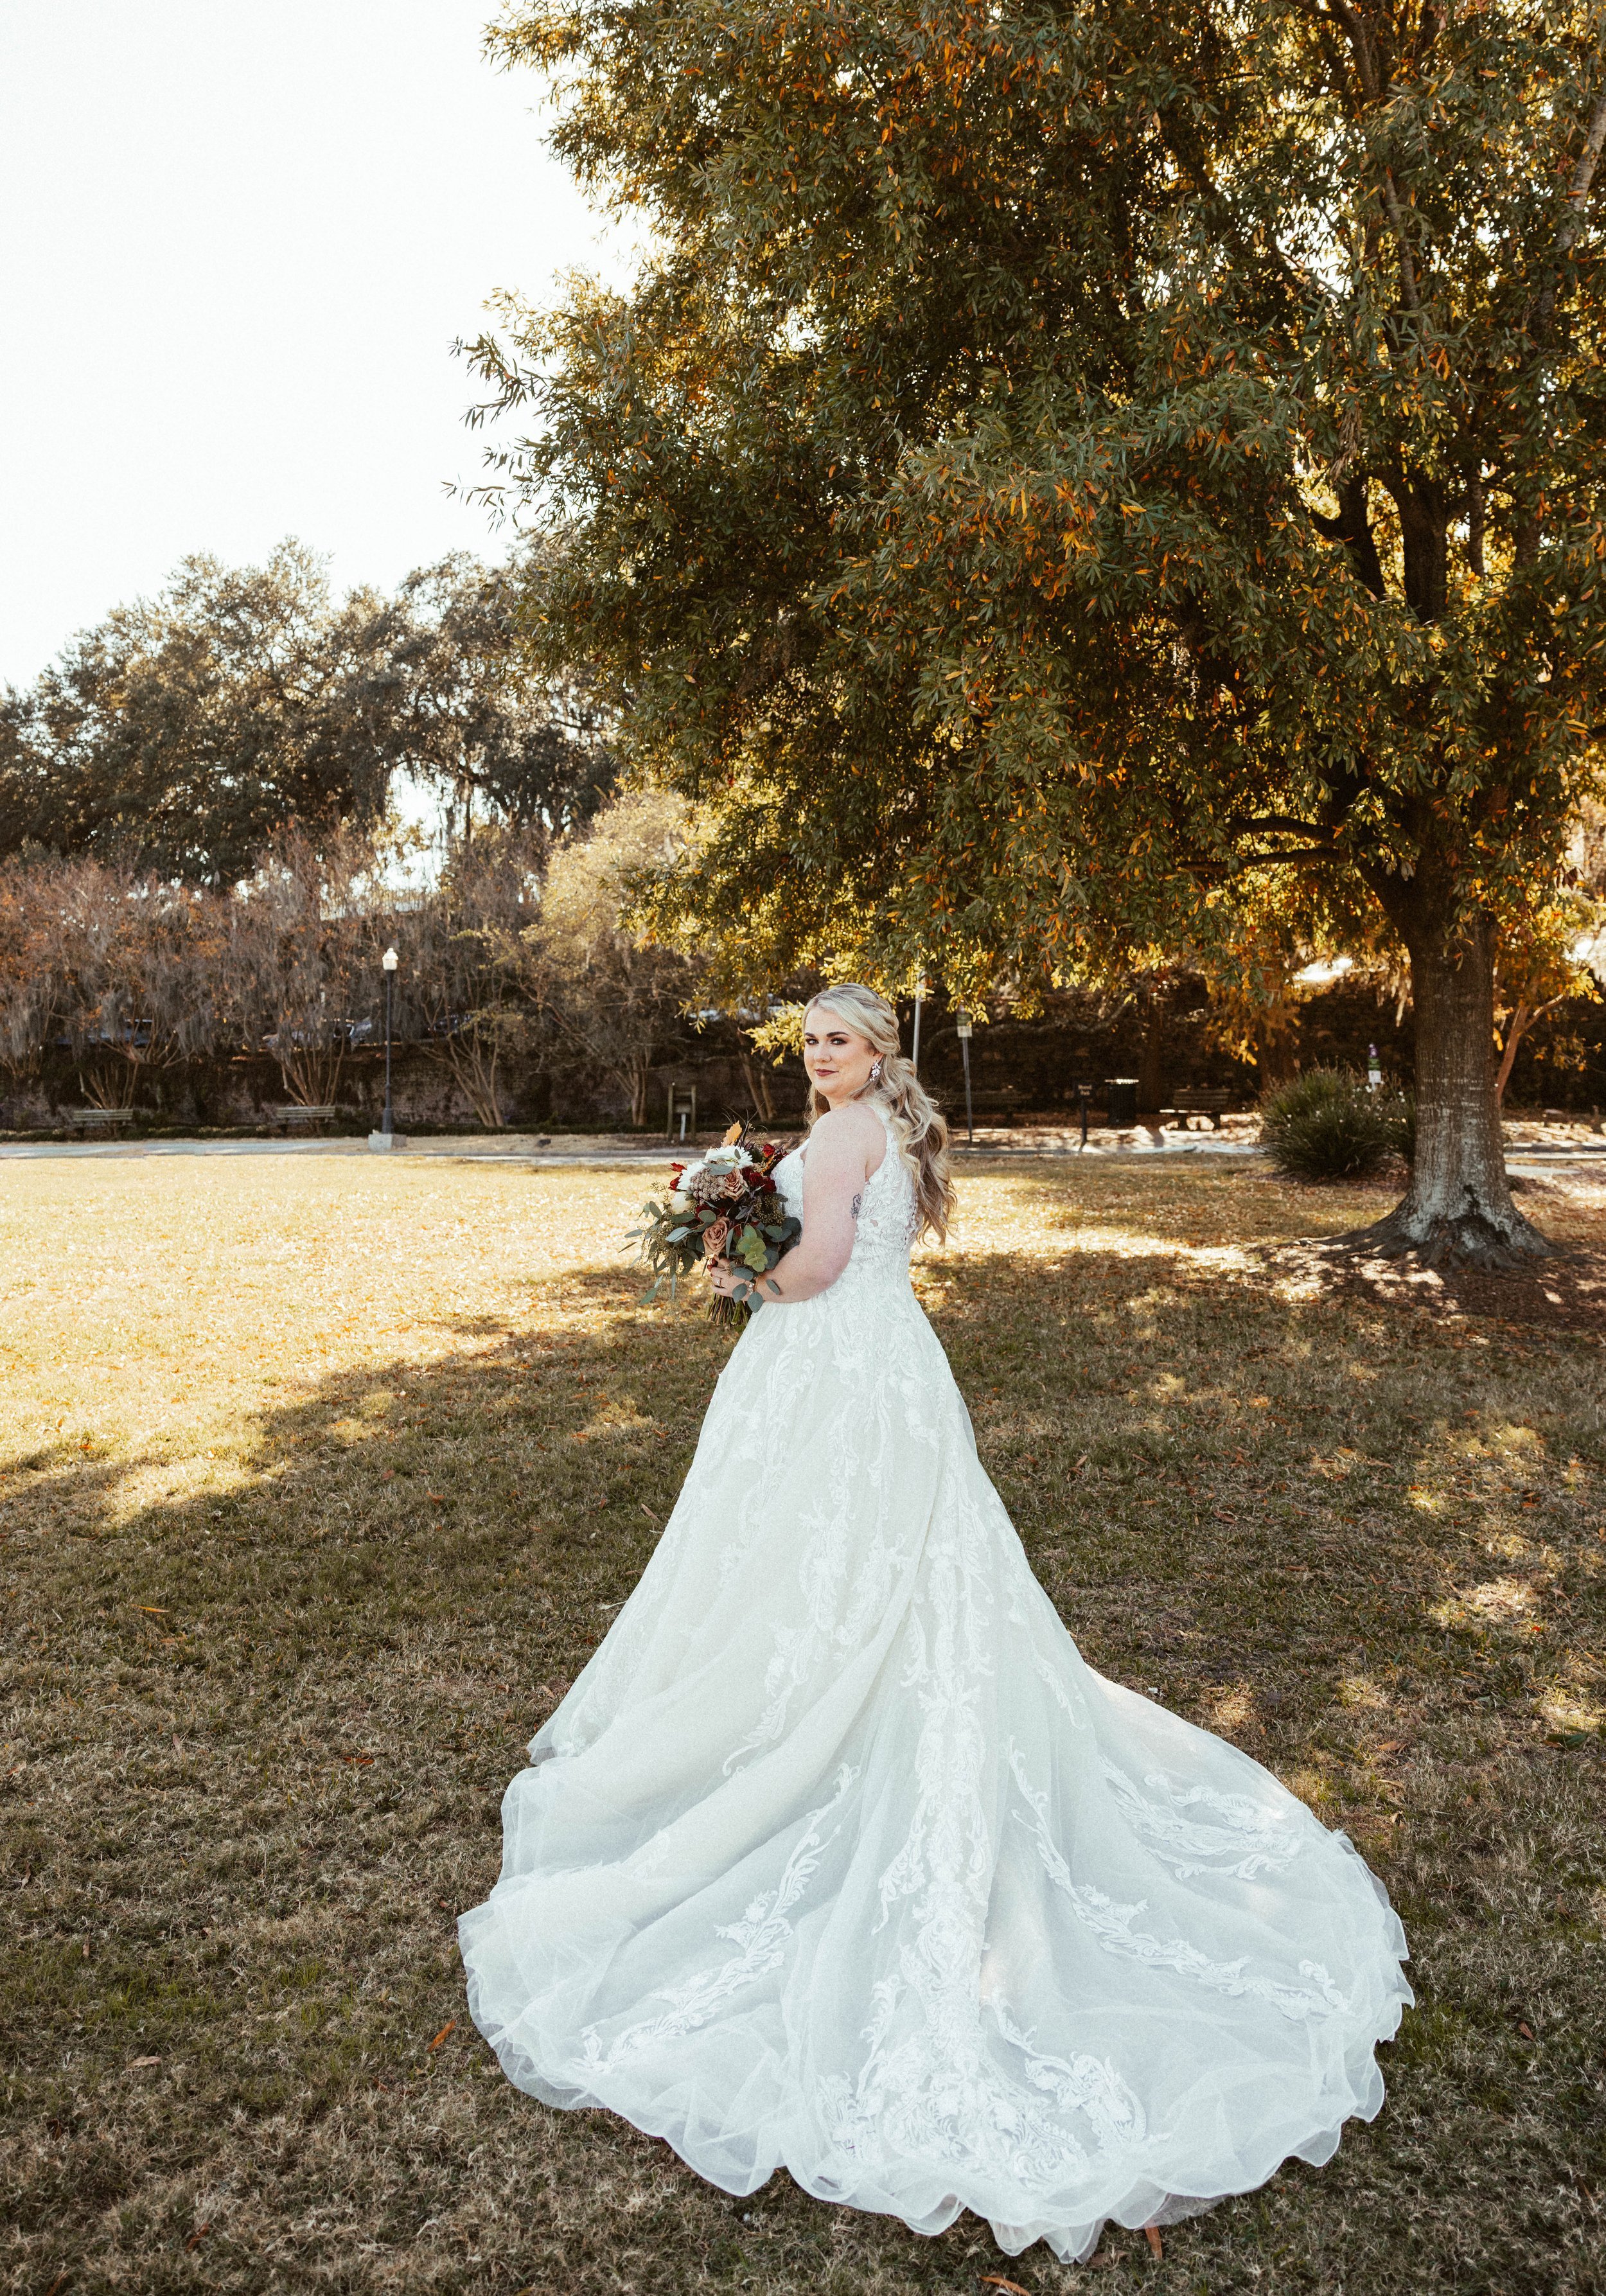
838 1857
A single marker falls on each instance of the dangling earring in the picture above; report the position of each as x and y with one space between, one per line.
875 1072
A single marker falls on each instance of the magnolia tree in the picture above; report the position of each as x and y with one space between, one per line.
1058 472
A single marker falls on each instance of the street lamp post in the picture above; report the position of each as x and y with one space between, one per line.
390 961
385 1137
963 1027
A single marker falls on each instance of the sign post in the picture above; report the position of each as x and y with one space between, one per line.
963 1026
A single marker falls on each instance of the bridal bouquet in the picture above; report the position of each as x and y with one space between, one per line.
724 1205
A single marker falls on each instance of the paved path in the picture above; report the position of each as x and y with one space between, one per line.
533 1149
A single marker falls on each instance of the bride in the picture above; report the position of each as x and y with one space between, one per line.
837 1858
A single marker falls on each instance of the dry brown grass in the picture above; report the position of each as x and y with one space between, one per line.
320 1478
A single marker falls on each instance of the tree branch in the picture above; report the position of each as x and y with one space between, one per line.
1353 529
1253 824
1577 196
1366 62
1366 65
1407 270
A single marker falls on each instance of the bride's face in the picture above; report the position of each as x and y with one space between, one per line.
838 1060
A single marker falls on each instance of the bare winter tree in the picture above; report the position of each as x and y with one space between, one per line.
134 964
302 956
30 959
470 979
609 994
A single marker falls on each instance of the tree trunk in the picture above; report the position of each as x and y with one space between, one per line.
1275 1037
756 1080
1458 1210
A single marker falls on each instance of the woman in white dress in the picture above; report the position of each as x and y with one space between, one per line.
837 1858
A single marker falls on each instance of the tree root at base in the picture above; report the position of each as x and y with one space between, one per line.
1472 1237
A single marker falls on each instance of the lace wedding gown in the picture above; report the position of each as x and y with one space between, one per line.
837 1858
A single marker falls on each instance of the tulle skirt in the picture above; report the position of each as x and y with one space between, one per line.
838 1857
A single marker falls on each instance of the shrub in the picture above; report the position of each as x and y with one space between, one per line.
1326 1125
1400 1110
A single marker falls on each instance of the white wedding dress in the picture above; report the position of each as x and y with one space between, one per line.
837 1858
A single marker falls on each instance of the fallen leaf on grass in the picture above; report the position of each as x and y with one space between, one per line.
138 2064
358 1761
198 2235
151 1611
1152 2234
1526 2031
992 2280
435 1498
449 2026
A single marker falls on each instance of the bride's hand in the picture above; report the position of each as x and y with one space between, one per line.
728 1279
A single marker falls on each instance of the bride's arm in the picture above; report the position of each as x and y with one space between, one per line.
834 1174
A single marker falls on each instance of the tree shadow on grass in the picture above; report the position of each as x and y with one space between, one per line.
269 1723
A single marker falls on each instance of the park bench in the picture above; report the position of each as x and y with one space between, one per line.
1204 1102
997 1099
293 1113
98 1120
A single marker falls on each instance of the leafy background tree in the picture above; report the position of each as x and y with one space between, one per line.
1057 467
185 732
472 719
136 966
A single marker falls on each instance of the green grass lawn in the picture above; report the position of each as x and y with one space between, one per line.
320 1480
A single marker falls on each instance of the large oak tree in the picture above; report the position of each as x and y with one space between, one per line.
1065 469
186 731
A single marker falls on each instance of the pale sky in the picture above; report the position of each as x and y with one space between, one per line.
239 238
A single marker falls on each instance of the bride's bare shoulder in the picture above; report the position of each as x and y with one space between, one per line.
850 1132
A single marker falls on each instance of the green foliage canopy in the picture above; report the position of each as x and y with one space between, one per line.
1068 471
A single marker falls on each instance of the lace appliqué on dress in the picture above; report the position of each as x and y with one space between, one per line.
762 1934
1112 1924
